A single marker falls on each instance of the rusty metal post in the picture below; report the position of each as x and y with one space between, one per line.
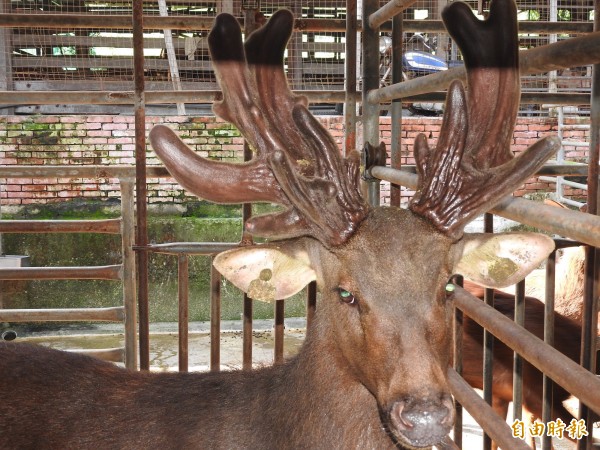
127 239
140 173
311 302
458 365
488 342
518 359
370 82
350 71
215 319
279 330
589 317
250 9
184 306
547 383
396 109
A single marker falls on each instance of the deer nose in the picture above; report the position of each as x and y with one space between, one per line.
423 422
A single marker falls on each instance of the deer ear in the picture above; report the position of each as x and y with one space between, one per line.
266 272
500 260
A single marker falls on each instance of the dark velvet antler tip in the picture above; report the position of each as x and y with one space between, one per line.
225 39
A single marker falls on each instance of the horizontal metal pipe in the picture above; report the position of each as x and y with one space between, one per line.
548 169
579 51
62 273
196 23
576 225
152 97
574 378
191 248
92 171
109 226
106 354
387 11
210 96
484 415
116 314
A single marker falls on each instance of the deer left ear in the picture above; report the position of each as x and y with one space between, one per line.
500 260
267 272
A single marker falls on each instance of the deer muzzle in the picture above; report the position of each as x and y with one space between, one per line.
422 422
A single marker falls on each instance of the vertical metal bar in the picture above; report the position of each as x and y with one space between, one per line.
589 317
6 52
183 295
518 359
350 72
488 342
458 365
547 383
279 330
140 173
311 302
215 319
396 144
250 12
127 238
370 79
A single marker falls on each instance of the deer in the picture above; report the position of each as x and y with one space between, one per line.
372 371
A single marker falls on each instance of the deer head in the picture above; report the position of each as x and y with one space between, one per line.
384 314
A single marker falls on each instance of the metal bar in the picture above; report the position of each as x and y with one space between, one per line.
29 97
109 226
579 51
249 26
350 78
370 82
573 224
184 307
91 171
485 416
311 303
396 139
579 382
279 330
518 360
116 314
141 239
547 383
215 319
195 23
170 48
105 354
457 362
113 272
191 248
488 343
129 272
550 169
388 11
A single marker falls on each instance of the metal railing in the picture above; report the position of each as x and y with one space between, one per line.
124 272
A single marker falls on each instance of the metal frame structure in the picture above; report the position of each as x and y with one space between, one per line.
582 227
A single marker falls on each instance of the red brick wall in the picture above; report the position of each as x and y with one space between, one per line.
109 140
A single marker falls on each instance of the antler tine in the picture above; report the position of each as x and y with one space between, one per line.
301 164
473 167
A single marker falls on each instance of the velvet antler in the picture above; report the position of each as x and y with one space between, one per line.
297 163
472 167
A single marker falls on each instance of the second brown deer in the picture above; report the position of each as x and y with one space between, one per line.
372 372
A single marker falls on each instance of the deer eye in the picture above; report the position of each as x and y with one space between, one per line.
346 296
449 289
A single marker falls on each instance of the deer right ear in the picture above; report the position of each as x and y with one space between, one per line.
500 260
267 272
